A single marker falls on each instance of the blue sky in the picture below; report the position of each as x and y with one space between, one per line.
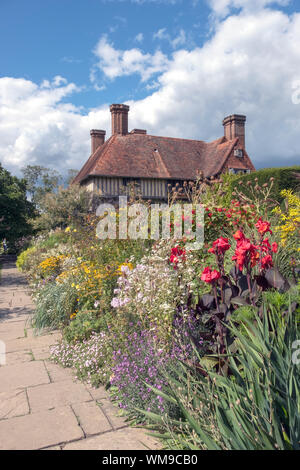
181 65
41 39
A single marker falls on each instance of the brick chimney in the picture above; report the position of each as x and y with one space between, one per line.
119 119
234 126
97 139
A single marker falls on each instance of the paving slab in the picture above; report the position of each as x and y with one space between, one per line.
52 448
123 439
13 403
56 394
18 357
38 430
11 331
58 373
112 413
97 393
26 374
39 342
41 354
91 418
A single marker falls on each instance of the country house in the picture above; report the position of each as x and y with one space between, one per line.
154 162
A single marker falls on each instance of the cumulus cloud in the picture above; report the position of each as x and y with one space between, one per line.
37 127
116 63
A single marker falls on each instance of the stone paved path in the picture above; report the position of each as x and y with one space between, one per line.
42 406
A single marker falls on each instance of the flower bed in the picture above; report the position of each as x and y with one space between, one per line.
134 313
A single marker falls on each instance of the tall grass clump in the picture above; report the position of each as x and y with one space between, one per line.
54 306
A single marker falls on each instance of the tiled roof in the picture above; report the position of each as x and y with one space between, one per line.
146 156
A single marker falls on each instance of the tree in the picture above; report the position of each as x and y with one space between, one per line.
66 206
15 209
40 181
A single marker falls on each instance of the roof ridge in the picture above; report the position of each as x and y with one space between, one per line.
179 138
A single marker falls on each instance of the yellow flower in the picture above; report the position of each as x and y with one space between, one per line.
67 229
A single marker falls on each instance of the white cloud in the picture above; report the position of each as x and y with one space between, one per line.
161 34
139 37
116 63
179 40
36 127
222 7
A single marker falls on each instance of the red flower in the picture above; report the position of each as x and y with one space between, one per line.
221 245
176 252
267 262
263 227
240 259
245 252
210 276
266 245
274 247
239 235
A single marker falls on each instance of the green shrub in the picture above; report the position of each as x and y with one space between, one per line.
23 259
82 326
54 239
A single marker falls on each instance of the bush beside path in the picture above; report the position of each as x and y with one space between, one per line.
42 406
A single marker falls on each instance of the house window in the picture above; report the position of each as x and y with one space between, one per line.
236 171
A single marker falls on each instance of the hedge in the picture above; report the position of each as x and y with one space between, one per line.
284 178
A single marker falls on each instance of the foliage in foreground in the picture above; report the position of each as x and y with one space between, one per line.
257 406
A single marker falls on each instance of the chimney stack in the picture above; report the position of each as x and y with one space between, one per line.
119 119
234 126
97 139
